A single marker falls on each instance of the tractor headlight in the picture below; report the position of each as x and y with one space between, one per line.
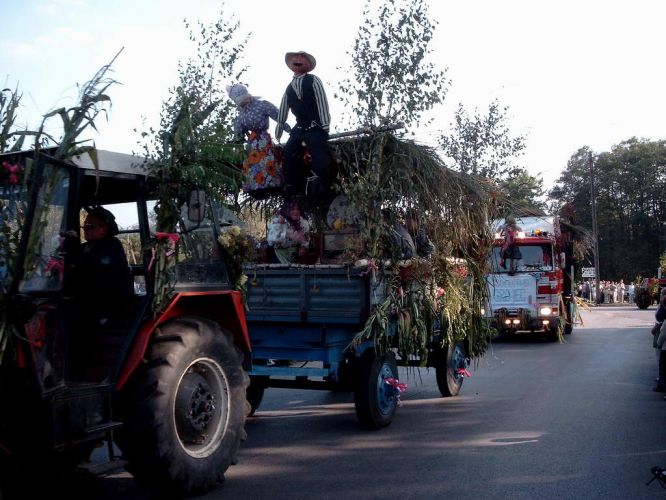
545 311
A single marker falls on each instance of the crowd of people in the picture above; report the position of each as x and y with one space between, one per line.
610 292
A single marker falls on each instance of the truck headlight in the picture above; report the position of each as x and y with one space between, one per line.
545 311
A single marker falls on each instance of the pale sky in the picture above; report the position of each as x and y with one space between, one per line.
573 73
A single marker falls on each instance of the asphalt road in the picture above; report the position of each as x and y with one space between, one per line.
537 420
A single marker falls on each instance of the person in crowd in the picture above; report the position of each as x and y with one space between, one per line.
631 290
306 98
262 169
621 289
289 233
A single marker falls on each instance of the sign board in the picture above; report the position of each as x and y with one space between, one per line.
588 272
513 292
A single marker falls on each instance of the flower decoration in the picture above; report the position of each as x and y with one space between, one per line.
237 250
12 172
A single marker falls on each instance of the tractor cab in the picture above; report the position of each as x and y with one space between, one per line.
66 384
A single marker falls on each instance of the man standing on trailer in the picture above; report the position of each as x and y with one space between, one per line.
306 98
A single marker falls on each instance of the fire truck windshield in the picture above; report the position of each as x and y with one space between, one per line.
533 258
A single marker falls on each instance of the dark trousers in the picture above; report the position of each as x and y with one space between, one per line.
297 173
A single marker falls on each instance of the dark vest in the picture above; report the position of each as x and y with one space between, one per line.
305 110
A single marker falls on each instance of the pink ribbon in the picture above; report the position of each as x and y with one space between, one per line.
396 384
370 267
55 265
173 237
13 171
463 372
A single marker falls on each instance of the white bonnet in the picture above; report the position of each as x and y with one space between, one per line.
237 92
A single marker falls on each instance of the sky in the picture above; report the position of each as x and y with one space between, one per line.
573 73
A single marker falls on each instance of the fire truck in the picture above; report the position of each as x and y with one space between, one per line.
534 293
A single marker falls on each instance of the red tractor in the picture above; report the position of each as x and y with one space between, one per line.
167 386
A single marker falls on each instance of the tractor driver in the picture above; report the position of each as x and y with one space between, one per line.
104 279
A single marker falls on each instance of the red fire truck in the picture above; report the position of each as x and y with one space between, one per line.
534 293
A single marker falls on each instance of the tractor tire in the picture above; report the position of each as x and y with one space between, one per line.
186 409
643 299
449 381
375 401
255 392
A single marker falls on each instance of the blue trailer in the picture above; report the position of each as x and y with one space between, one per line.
303 320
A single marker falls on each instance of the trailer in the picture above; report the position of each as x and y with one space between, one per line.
303 320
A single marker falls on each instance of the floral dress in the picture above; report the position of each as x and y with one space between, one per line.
262 169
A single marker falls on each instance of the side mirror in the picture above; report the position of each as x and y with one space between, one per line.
196 206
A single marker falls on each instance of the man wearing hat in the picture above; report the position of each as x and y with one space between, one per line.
306 98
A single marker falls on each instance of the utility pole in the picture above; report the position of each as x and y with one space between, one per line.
595 235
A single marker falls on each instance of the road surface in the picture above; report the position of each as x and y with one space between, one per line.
537 420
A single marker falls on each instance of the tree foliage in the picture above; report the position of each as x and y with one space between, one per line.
482 144
631 212
192 147
522 194
390 80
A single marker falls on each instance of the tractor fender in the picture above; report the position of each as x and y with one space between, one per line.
224 307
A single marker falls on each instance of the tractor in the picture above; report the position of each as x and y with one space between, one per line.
164 383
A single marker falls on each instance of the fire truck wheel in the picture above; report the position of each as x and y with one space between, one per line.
186 409
255 392
375 400
447 370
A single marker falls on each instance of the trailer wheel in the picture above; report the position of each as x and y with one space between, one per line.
255 392
449 379
375 401
186 409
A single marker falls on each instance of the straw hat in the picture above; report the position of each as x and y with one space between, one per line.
289 55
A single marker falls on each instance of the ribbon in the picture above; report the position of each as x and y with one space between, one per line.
371 266
57 265
396 384
463 372
173 237
13 171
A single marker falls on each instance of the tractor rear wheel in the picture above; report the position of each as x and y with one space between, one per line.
186 408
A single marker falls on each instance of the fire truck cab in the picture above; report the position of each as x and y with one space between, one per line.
533 294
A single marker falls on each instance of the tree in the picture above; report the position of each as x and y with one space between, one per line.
523 193
631 212
389 80
191 149
192 146
482 144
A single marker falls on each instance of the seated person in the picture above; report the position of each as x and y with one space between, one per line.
410 240
289 233
104 281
